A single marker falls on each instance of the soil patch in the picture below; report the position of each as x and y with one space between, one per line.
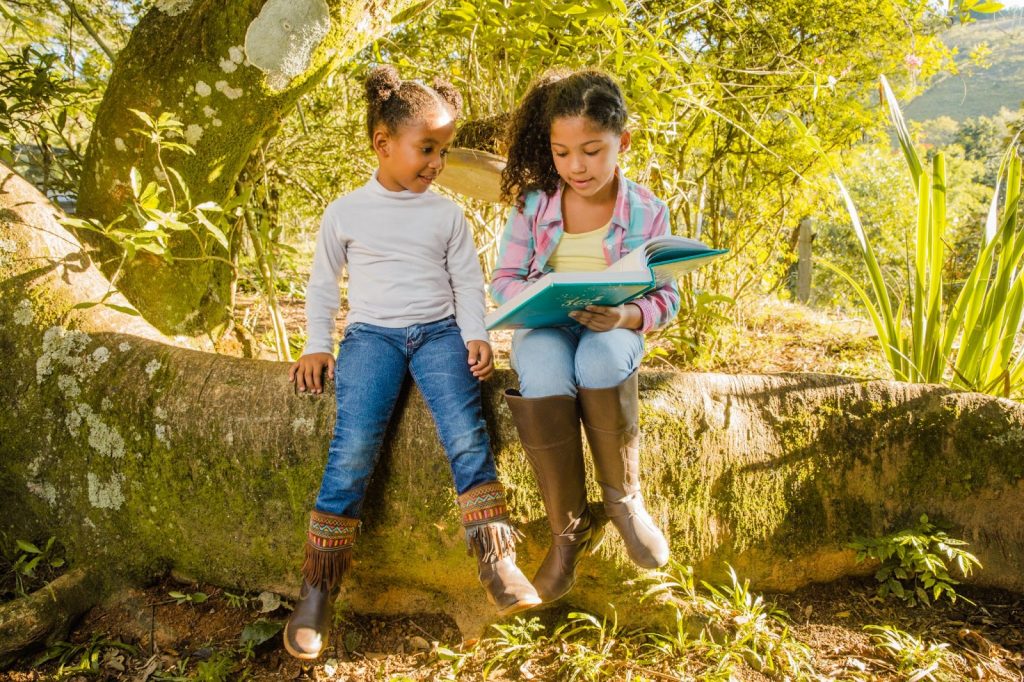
147 634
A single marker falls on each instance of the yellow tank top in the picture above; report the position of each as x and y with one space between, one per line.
583 252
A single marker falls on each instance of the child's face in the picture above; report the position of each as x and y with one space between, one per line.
411 157
585 155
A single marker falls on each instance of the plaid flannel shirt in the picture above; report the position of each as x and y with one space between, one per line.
533 233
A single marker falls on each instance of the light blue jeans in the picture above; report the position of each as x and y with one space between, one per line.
372 364
558 360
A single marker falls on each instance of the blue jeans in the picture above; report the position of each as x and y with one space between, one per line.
557 360
372 364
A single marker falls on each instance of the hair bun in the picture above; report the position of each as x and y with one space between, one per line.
382 83
449 94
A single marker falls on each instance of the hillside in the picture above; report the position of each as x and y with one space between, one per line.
976 91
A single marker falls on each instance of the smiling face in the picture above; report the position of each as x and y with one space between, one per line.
585 155
411 157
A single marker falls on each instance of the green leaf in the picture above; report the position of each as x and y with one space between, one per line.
123 309
28 547
144 117
260 631
217 233
150 196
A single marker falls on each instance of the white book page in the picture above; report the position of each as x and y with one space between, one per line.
634 260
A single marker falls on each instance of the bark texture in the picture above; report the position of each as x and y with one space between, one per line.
141 455
229 71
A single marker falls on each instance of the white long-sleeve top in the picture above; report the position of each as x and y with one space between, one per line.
410 258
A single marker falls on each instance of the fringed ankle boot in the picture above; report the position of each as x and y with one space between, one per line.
492 539
549 429
611 418
328 555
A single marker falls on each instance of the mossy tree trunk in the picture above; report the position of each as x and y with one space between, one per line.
229 71
141 456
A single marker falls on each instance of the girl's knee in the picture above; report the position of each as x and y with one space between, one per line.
602 375
607 359
543 360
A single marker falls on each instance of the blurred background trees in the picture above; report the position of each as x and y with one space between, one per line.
715 89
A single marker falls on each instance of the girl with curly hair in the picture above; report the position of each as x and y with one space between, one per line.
576 211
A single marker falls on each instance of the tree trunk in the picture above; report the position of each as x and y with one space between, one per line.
229 71
142 456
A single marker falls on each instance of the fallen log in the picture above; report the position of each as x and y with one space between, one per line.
143 455
47 614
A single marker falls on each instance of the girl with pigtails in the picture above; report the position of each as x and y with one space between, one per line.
416 305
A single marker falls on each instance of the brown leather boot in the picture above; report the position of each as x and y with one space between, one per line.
549 429
492 539
611 418
328 554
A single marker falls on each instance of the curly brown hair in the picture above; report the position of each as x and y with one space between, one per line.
395 102
558 93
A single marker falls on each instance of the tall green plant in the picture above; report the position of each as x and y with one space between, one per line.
974 343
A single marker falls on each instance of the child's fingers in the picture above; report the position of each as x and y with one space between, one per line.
291 372
330 368
317 381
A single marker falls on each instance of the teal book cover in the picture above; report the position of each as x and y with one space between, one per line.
550 305
548 301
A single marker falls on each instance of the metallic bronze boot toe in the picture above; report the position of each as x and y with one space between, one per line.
506 586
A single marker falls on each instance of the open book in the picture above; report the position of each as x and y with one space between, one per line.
548 301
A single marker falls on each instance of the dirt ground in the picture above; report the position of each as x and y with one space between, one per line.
146 634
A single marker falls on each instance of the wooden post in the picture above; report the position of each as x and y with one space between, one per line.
803 267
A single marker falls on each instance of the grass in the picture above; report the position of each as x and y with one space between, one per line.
771 336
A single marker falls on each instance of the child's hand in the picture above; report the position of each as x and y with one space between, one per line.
599 318
308 372
481 360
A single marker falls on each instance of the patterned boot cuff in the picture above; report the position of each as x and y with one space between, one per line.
489 535
329 543
483 503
